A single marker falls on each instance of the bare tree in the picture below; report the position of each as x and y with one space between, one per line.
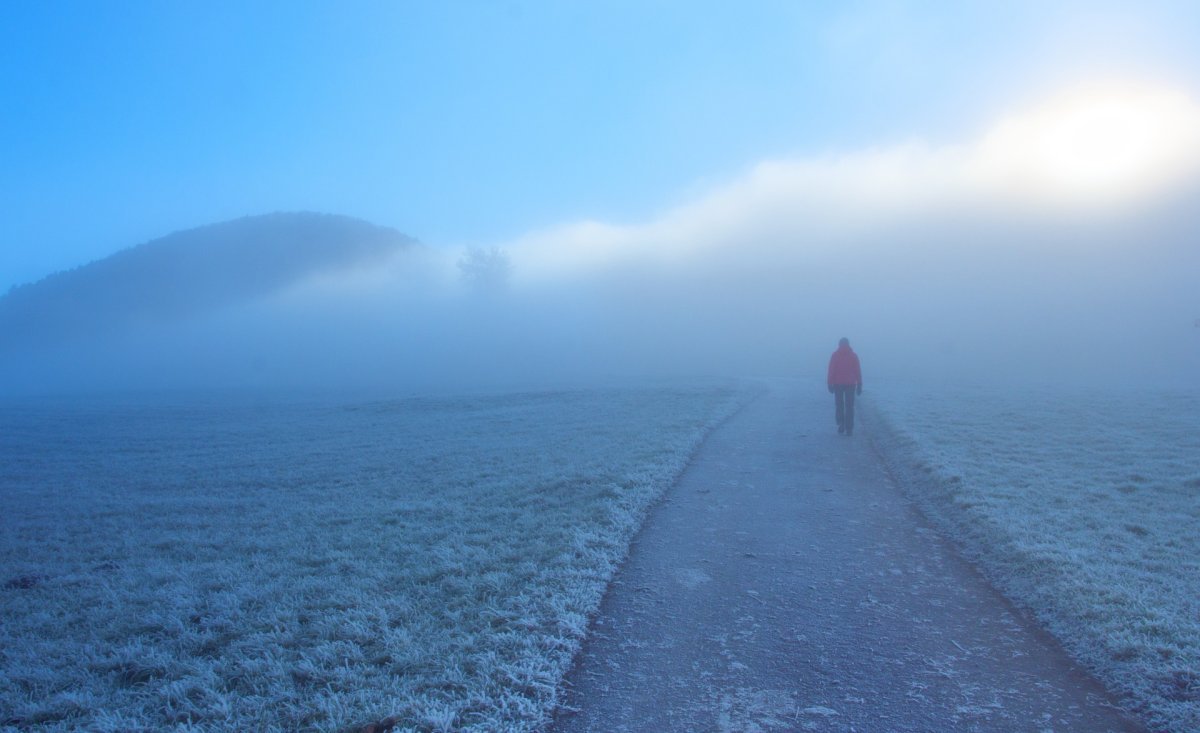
485 270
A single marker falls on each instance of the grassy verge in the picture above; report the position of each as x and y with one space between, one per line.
1082 506
313 567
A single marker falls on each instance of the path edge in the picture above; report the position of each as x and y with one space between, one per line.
984 547
744 395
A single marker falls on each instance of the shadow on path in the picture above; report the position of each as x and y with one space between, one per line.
785 584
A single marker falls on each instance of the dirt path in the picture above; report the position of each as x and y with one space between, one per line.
786 584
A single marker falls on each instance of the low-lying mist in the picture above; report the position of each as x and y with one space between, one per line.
987 300
935 267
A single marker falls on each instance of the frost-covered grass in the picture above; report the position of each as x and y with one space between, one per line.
1082 506
296 566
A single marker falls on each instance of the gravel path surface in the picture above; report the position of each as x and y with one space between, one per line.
786 584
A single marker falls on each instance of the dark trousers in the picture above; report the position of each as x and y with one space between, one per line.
843 400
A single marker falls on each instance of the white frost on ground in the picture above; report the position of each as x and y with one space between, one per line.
304 567
1083 506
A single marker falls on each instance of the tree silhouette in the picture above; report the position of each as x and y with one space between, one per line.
485 270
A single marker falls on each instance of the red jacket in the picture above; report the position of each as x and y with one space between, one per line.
844 369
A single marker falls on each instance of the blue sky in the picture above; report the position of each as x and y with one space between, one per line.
466 123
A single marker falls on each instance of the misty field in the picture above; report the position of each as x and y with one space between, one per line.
292 566
1083 506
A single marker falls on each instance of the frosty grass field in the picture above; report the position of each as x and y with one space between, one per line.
1085 508
296 566
291 566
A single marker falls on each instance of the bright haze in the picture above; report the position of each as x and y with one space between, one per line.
409 196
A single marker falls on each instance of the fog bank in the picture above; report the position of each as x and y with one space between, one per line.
999 260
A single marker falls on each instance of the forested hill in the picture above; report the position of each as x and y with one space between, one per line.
191 271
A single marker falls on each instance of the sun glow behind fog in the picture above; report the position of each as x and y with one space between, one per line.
1097 144
1101 147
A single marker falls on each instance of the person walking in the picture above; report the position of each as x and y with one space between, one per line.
844 381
